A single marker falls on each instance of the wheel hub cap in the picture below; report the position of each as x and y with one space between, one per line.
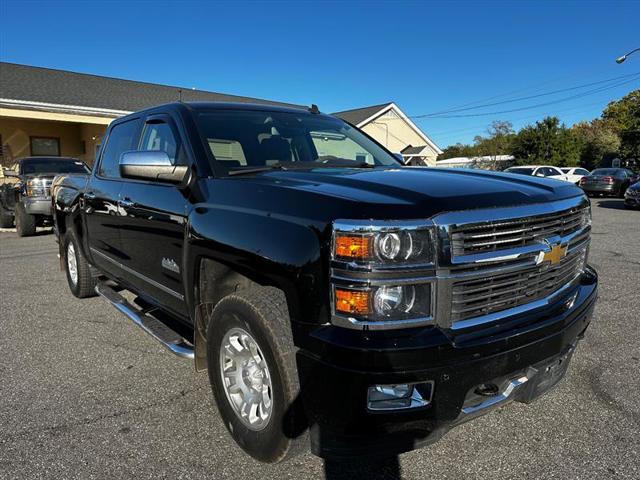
246 378
72 264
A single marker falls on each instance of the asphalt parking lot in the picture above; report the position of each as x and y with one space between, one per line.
84 394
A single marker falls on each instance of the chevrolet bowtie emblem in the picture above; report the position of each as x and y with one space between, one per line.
554 256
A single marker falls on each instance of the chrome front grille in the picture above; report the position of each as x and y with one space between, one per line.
494 293
521 232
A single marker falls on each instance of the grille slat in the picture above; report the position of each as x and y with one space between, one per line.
494 236
477 297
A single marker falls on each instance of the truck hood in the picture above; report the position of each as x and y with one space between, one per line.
411 192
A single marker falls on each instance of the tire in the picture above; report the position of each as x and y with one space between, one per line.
25 223
78 271
622 191
6 218
261 313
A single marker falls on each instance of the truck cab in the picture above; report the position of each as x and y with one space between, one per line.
337 299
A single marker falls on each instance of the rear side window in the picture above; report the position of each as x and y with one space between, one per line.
122 138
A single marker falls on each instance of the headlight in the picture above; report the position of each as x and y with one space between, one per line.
387 302
35 188
586 217
384 273
379 244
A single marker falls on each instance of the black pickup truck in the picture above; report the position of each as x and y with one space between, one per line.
25 192
327 288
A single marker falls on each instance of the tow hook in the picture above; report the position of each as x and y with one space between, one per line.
487 390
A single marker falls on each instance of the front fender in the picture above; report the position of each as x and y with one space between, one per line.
270 249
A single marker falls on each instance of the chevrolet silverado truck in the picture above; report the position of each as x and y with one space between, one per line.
336 297
25 195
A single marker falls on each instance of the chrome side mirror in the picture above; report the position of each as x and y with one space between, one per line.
151 165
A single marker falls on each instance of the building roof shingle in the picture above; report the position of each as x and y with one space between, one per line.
61 87
358 115
410 150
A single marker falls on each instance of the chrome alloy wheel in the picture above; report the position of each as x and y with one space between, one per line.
246 379
72 263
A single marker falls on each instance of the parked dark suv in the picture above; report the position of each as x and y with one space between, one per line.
28 200
325 286
607 181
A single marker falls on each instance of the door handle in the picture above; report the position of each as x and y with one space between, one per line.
126 203
90 196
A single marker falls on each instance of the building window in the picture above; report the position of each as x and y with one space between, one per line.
48 146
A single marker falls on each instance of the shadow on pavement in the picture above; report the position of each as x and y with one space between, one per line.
616 204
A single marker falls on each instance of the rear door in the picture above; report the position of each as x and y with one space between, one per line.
154 220
100 199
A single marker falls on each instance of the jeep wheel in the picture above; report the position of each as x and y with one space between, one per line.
79 278
252 370
6 218
25 223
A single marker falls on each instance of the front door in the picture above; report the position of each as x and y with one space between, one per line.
154 221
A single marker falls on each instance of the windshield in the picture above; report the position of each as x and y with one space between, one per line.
245 139
521 170
607 171
51 165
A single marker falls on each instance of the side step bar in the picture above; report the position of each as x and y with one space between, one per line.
154 327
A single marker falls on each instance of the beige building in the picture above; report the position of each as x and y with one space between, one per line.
55 112
392 128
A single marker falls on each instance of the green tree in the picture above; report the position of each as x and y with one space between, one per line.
457 150
623 117
547 142
498 142
597 140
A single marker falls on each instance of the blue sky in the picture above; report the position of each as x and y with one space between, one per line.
425 56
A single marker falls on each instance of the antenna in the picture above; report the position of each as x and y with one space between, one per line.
180 95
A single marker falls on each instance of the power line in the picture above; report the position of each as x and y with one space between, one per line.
448 133
534 87
529 107
453 110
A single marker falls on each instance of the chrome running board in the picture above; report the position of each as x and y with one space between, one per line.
170 339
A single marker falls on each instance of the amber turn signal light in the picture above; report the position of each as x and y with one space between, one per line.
353 302
351 246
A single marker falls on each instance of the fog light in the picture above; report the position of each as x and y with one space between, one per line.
399 397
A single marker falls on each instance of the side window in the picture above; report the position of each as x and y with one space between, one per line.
121 139
159 136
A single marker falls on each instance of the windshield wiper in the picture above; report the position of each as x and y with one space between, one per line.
302 165
250 170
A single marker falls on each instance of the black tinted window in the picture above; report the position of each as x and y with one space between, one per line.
121 139
160 137
606 171
50 165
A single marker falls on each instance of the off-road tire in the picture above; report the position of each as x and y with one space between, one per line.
85 284
263 313
6 218
25 223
